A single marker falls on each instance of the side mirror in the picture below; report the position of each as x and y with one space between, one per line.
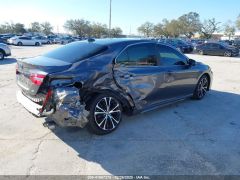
191 62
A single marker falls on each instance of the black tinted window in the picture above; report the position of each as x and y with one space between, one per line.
170 56
139 55
76 51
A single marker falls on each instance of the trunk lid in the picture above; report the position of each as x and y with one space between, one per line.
32 72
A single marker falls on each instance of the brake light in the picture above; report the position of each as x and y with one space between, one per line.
37 79
48 96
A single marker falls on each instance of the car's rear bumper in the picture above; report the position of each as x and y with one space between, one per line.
31 106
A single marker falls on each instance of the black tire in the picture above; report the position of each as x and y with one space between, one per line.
201 88
201 52
227 54
105 114
48 42
2 55
37 44
19 43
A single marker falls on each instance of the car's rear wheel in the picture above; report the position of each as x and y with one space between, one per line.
227 54
202 88
2 55
105 114
200 52
19 43
37 44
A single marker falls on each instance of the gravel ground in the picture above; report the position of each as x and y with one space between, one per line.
188 138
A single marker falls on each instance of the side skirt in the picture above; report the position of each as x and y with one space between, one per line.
162 104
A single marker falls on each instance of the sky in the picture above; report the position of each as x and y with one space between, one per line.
127 14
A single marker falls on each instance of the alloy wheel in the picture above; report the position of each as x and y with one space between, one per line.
202 87
228 54
107 113
200 52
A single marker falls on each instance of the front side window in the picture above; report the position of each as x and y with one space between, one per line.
139 55
170 56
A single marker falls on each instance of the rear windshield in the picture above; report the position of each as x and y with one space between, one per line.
76 51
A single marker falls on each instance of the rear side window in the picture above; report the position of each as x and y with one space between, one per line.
215 46
139 55
170 56
76 51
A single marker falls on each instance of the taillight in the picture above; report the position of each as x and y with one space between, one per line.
48 96
37 79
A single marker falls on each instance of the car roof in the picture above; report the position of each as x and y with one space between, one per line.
113 41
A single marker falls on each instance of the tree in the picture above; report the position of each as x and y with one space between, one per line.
18 28
116 32
160 29
229 29
238 22
146 29
208 27
46 28
172 28
98 30
35 27
189 24
5 28
79 27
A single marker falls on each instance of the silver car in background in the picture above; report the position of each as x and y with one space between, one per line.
24 41
4 51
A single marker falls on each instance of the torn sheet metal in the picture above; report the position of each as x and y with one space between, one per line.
69 109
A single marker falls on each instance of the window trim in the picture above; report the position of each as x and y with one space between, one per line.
130 45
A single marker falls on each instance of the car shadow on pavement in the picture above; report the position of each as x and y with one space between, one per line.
190 137
8 61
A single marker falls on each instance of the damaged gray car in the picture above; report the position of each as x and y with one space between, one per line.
92 83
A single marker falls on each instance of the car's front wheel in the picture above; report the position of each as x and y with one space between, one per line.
37 44
19 43
105 114
2 55
202 88
228 54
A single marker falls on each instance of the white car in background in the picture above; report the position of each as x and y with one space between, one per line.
4 51
42 39
24 41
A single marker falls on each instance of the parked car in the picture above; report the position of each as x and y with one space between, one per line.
43 40
179 45
236 43
94 82
196 42
228 42
53 38
4 51
24 41
218 49
64 40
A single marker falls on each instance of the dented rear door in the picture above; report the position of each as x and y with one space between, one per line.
137 73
